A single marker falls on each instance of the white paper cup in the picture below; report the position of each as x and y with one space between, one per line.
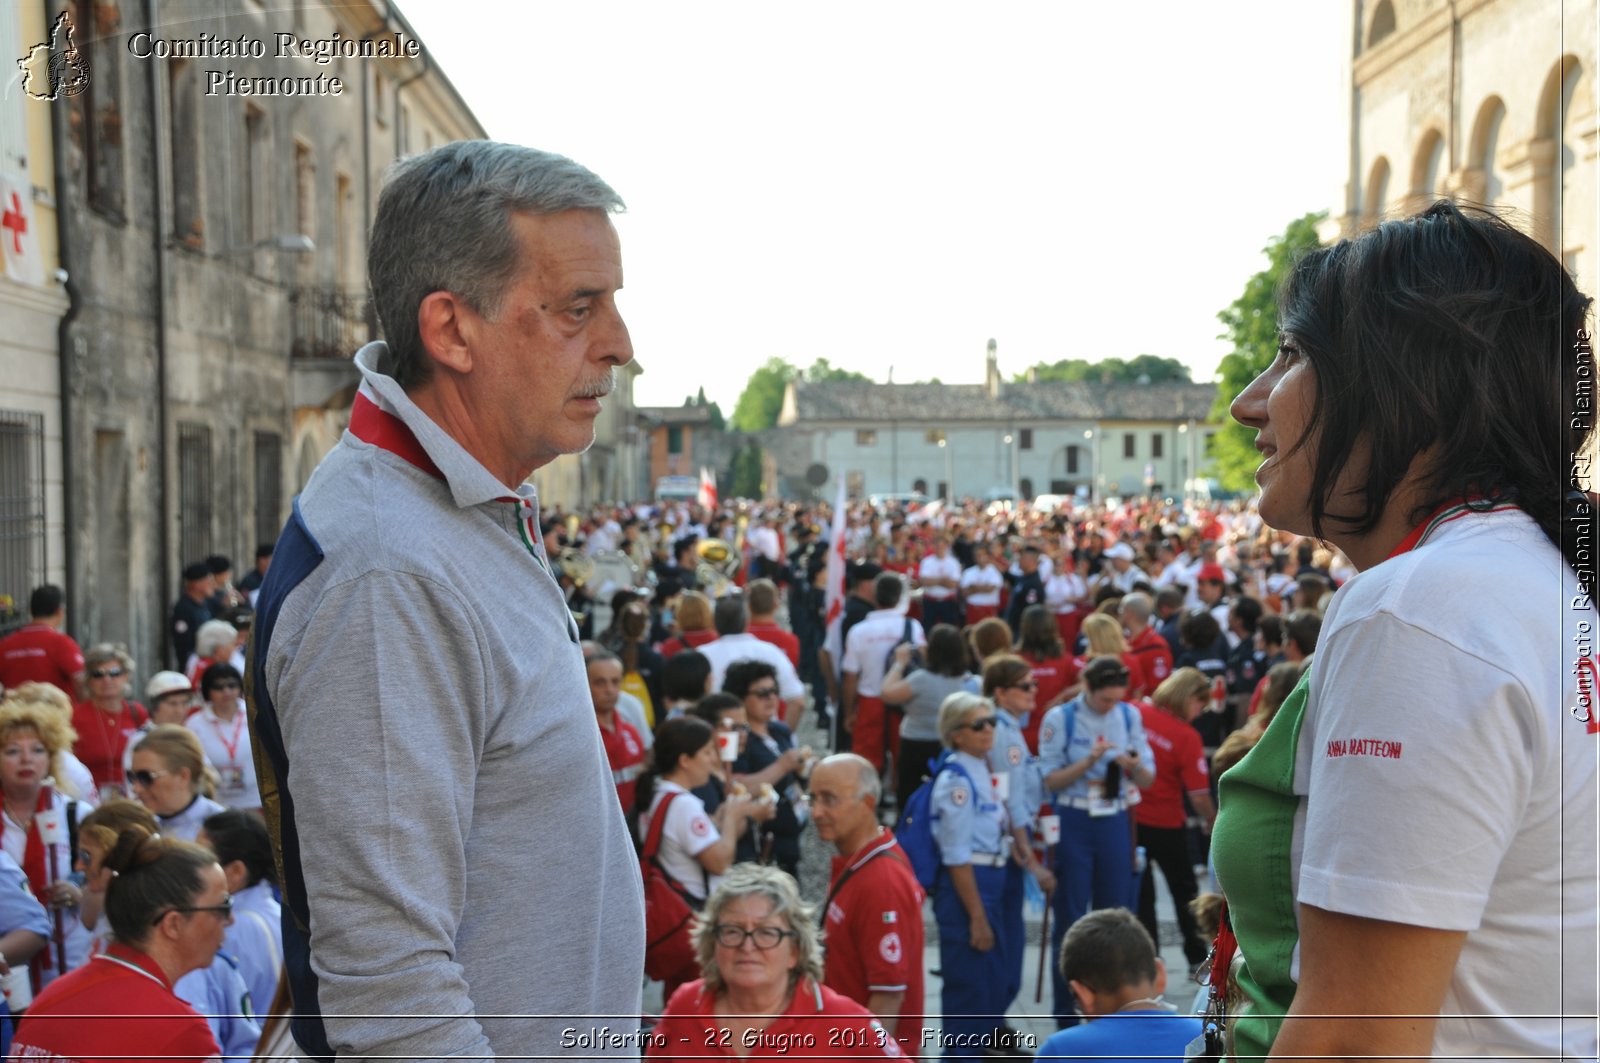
17 988
51 830
728 745
1050 828
1002 785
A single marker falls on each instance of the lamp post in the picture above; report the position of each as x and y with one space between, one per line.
1093 436
1011 467
949 468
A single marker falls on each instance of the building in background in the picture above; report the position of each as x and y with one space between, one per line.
994 440
1488 101
213 243
33 301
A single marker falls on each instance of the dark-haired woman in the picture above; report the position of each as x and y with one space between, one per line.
240 841
168 906
696 848
769 757
225 736
1404 828
1041 644
919 695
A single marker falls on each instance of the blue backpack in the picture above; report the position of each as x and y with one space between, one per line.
914 832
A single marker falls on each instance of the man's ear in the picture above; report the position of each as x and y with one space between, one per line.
1161 976
1084 996
443 323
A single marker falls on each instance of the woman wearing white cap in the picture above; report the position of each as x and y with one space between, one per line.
170 696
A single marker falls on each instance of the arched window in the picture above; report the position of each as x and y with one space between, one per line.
920 486
1426 169
1485 148
1566 96
1382 24
1372 204
1026 487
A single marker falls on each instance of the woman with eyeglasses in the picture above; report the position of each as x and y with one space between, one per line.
106 719
769 757
167 903
1009 682
696 847
1093 754
760 994
214 991
225 737
171 778
38 823
1041 644
972 826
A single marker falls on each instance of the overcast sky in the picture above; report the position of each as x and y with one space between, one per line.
888 184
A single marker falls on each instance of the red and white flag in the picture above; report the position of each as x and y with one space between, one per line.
18 233
708 488
833 642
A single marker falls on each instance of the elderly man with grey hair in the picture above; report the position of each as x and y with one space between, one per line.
1144 641
443 811
874 908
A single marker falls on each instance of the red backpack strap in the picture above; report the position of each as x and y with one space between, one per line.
653 842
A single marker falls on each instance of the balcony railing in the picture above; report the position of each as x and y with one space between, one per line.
330 322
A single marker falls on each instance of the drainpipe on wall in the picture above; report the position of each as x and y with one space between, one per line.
69 561
159 180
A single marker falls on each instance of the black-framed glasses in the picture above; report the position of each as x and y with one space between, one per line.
765 937
980 725
1028 685
225 909
764 692
107 673
145 778
224 684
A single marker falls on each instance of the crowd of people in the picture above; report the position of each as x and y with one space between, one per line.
1067 721
84 767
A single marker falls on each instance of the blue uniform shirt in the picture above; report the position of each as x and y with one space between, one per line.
1122 727
19 910
969 819
1010 756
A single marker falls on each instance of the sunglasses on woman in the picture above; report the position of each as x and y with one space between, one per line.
1029 685
145 778
980 725
224 909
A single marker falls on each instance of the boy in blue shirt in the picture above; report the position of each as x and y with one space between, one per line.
1110 964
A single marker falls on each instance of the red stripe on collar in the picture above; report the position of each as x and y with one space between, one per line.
371 424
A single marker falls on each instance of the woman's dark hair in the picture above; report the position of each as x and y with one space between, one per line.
1247 611
217 674
713 707
1040 636
683 677
681 736
742 675
1271 628
947 651
1448 332
152 875
242 836
1199 630
1003 671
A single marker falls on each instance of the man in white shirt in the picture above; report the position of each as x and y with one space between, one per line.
731 617
939 574
866 655
980 586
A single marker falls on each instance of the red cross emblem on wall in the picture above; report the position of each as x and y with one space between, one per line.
17 222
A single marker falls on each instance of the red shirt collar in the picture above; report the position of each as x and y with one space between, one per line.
370 423
138 959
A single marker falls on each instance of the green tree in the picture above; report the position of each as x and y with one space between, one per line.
718 424
823 372
745 475
1110 370
1250 323
762 398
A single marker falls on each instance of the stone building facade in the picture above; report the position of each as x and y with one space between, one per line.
1489 101
996 439
213 238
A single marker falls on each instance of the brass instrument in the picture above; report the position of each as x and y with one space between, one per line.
575 565
719 563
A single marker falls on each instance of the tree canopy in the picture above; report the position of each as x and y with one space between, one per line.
1110 370
762 399
1250 323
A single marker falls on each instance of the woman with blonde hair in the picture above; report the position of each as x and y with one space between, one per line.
1104 635
1160 818
692 618
38 824
106 718
171 778
72 777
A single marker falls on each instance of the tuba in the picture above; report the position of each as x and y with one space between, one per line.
719 563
